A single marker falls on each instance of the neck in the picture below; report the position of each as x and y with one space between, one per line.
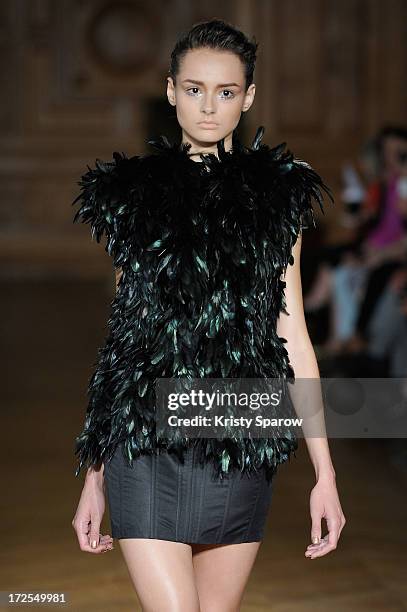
198 147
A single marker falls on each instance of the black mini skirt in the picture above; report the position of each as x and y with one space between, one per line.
160 497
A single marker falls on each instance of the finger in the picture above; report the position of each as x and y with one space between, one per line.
333 532
330 540
82 533
342 525
318 550
107 542
86 547
315 528
100 548
94 534
321 553
104 539
316 546
84 536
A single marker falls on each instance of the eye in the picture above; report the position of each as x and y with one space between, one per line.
190 89
232 95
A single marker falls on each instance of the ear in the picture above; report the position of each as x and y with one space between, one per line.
249 97
171 91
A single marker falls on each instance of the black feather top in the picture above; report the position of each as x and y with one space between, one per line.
202 246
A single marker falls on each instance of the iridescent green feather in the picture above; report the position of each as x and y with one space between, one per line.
202 247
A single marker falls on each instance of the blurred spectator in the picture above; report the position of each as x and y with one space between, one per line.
387 329
353 275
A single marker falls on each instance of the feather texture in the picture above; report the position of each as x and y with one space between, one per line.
202 246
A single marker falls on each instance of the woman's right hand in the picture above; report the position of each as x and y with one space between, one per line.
89 514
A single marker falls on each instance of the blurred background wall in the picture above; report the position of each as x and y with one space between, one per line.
82 78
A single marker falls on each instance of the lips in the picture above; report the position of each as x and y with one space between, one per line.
208 125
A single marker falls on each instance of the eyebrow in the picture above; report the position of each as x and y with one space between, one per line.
220 85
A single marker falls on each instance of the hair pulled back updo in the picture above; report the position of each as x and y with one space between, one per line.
216 34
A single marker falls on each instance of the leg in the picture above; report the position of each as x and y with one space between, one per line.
385 325
222 572
349 280
320 292
377 281
162 574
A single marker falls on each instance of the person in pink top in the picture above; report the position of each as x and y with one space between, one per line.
385 245
375 252
390 227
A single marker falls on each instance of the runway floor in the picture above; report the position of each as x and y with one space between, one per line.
50 332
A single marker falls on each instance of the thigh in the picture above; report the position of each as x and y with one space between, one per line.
162 574
221 574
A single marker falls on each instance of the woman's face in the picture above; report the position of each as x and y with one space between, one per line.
210 88
393 147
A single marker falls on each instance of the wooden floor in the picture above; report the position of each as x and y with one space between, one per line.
49 337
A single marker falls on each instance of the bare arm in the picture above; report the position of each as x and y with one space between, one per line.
302 356
324 501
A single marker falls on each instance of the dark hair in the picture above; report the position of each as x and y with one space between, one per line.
395 131
216 34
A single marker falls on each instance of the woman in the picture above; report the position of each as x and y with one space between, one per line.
354 278
201 234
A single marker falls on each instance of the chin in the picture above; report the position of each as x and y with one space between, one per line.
205 139
206 136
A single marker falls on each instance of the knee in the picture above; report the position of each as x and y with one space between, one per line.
182 601
172 600
175 605
218 606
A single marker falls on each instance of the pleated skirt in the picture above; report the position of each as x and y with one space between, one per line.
160 497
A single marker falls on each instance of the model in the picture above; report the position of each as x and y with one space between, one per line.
205 237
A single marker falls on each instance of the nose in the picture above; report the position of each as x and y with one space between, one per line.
208 105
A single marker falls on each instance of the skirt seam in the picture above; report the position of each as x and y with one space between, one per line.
121 468
190 495
179 485
260 488
201 496
153 526
226 512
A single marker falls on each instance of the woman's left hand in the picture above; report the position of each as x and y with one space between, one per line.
324 503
